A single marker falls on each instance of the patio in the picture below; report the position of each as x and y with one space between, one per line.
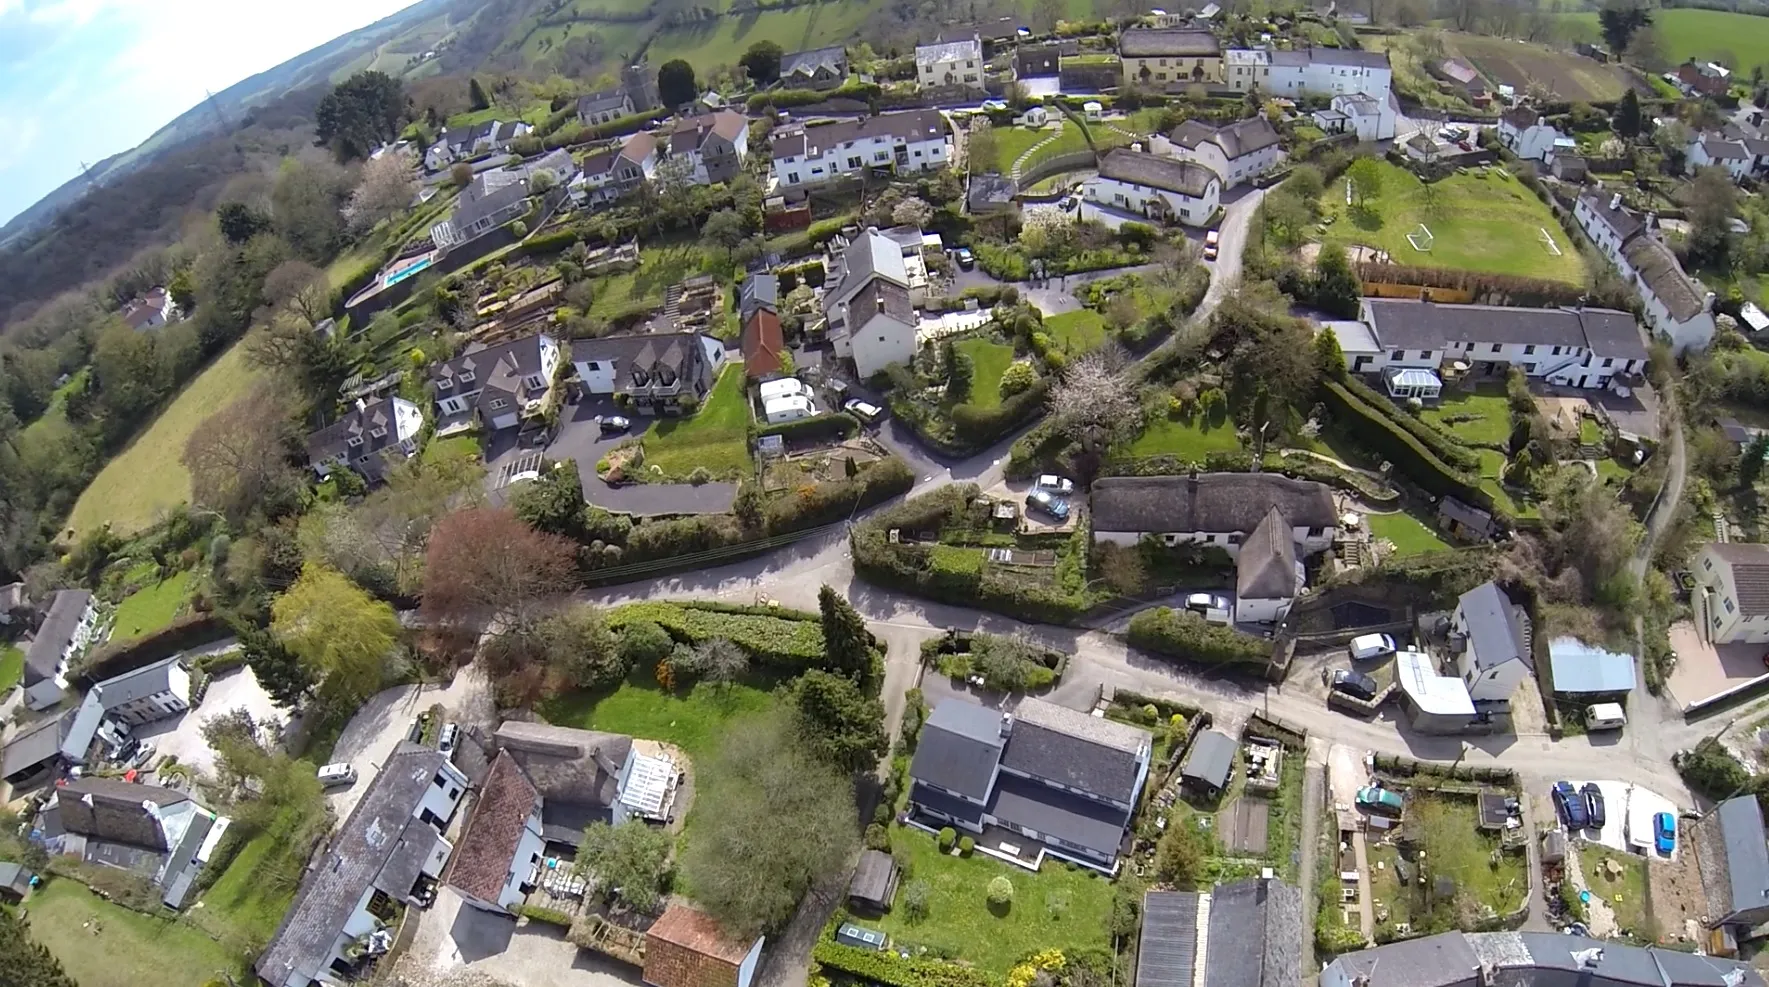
1705 670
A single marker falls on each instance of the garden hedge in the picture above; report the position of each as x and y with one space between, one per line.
551 916
1379 433
115 658
831 501
1183 634
890 970
1445 448
790 640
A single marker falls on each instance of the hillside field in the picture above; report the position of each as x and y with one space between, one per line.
1688 33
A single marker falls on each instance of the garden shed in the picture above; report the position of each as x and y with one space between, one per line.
1580 669
1208 764
875 881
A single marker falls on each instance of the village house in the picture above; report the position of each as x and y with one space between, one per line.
1236 152
150 310
498 386
867 307
162 834
369 438
1303 71
950 65
1675 305
1716 151
1158 188
54 746
1706 78
709 148
1160 57
461 143
816 68
146 695
1064 780
498 859
1494 653
1732 854
1244 934
1371 118
1528 135
901 143
1517 959
1731 598
686 947
65 632
612 173
1459 75
1216 509
604 107
654 371
499 195
763 342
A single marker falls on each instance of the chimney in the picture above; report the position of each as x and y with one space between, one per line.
1615 202
1006 724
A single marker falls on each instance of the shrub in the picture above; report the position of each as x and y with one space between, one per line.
1183 634
878 838
781 638
1000 891
966 845
948 836
118 657
890 970
828 426
551 916
1382 435
915 898
644 643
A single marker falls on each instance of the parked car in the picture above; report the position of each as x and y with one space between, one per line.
335 775
966 259
1378 799
1212 243
994 105
1056 484
860 409
1594 804
1354 684
1664 832
1068 203
1049 503
1204 602
611 424
1571 806
1367 646
450 736
142 756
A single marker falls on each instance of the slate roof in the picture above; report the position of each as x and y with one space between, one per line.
1659 269
1156 171
1492 627
1581 669
1058 814
1237 139
1211 502
681 353
874 878
1745 858
1210 760
1443 960
1522 118
759 291
1255 935
1266 567
1750 574
692 133
1344 57
380 845
601 102
1168 943
1142 42
35 744
359 423
907 127
686 948
1061 745
1411 324
54 633
1621 220
1722 150
946 51
960 745
493 832
497 370
939 801
880 297
111 810
834 58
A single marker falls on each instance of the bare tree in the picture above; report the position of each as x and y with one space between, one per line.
1096 401
386 188
301 288
239 458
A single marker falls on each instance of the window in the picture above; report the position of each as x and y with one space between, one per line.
1316 532
1554 352
466 376
453 792
1424 354
1607 361
353 441
1400 354
792 178
1527 350
445 384
1495 347
1232 539
379 433
1727 602
499 404
1708 564
854 161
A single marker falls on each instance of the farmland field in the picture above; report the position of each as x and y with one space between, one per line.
1518 63
1705 34
711 43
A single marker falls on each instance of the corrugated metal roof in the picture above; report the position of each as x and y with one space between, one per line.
1169 944
1580 667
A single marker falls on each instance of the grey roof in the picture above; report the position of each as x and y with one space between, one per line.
1689 970
1542 959
113 810
759 291
1346 57
908 126
680 353
1255 935
877 297
1167 947
1331 115
375 848
181 868
1156 171
602 102
1045 744
53 635
360 424
1621 220
492 198
1142 42
950 805
34 745
959 748
1749 562
1412 324
1266 567
873 878
497 370
1722 150
1444 960
15 876
145 681
1237 139
1580 668
1053 813
1210 760
1211 502
1659 269
1492 626
834 58
1521 118
577 772
946 51
1747 852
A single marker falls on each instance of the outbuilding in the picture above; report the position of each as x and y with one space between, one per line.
1209 763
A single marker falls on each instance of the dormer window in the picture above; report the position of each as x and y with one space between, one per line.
498 404
534 381
446 383
379 433
353 441
641 378
466 376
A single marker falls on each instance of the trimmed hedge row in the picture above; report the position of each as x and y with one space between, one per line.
832 501
551 916
1444 447
832 425
784 98
792 642
1183 634
115 658
1290 464
890 970
1401 447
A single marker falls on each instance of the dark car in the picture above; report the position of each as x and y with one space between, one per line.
966 259
1571 806
1354 684
1594 804
1049 503
613 423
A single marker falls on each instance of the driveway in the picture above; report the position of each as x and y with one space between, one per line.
182 735
372 734
455 936
1705 669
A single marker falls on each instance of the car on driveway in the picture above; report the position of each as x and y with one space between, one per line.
1212 242
1205 602
1060 485
1354 684
1049 503
610 424
1380 800
965 258
867 413
1594 804
1664 832
450 737
1571 806
1367 646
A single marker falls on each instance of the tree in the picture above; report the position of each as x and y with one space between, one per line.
724 228
1713 202
720 660
238 458
315 365
1366 179
278 670
676 84
1095 403
643 644
629 860
843 725
1179 857
982 147
1627 119
476 98
1750 462
999 891
461 174
1647 51
300 288
553 502
240 222
307 202
343 635
25 962
960 371
361 112
912 211
915 899
762 62
1619 19
385 188
484 564
743 870
1336 287
847 644
1018 376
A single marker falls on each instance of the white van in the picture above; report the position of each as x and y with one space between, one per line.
1605 716
1368 646
337 775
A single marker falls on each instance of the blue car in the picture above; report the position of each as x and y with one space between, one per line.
1664 832
1049 503
1571 805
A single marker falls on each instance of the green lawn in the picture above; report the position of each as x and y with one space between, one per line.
1454 847
147 610
1059 907
12 666
1410 535
1478 417
1626 894
715 437
453 447
101 944
1491 224
259 884
1739 41
707 44
148 478
1492 468
1011 142
1188 438
992 360
642 288
1078 331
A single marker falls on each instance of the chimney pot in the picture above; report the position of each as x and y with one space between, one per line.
1615 201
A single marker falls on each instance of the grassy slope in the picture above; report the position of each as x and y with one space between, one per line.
708 44
12 666
124 948
1489 224
1410 535
716 436
148 478
152 608
991 360
1691 33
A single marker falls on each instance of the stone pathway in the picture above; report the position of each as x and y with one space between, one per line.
1599 917
1019 164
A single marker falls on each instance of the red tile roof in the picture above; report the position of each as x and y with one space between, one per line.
687 948
763 343
489 842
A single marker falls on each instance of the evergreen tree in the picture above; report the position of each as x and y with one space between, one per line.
279 671
1627 115
476 95
24 962
1336 287
1750 463
844 725
676 84
847 644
